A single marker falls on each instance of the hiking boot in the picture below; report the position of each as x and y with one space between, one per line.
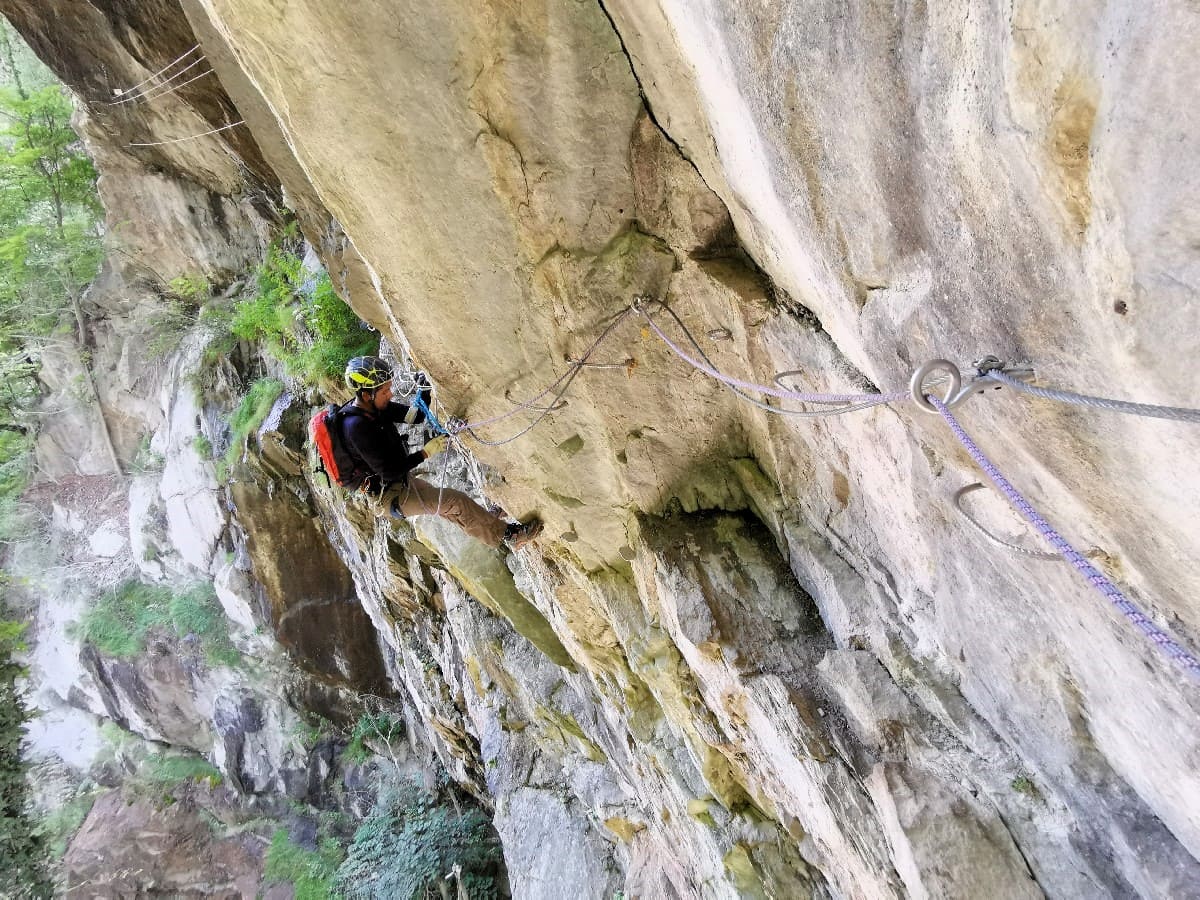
518 535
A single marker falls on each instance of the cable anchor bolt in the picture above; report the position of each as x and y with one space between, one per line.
643 303
957 393
583 364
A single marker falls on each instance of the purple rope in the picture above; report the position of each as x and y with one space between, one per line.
1165 642
774 392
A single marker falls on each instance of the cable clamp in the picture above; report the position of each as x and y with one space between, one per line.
957 393
644 304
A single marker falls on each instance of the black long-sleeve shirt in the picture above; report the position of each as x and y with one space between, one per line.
374 442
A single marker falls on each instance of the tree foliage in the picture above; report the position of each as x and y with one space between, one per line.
22 850
49 249
49 213
49 234
416 841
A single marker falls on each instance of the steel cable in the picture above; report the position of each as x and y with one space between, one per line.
1176 413
158 89
154 75
190 137
845 405
859 401
455 426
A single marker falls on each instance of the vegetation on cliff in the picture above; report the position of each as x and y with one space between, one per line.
417 842
121 620
293 316
22 850
298 318
49 251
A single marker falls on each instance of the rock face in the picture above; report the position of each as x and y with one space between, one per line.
125 847
758 654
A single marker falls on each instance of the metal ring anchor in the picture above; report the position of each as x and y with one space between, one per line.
958 393
954 393
957 500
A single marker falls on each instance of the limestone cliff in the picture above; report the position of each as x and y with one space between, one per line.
755 654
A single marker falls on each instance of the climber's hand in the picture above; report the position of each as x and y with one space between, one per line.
436 446
422 381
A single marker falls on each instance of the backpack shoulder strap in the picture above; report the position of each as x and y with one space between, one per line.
340 416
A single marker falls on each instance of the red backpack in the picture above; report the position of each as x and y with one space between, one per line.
325 431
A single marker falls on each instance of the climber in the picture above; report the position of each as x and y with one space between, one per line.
369 436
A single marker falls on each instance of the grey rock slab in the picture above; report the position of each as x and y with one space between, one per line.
946 845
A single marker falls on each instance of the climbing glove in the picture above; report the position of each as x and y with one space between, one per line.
436 446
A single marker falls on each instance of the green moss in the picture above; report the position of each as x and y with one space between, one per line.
563 500
1025 785
741 870
698 809
191 287
203 446
298 318
571 446
569 730
60 826
249 415
310 872
160 770
121 619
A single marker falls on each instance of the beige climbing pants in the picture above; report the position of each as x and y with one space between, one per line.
416 497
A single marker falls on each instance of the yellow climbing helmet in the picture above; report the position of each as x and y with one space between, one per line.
366 373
